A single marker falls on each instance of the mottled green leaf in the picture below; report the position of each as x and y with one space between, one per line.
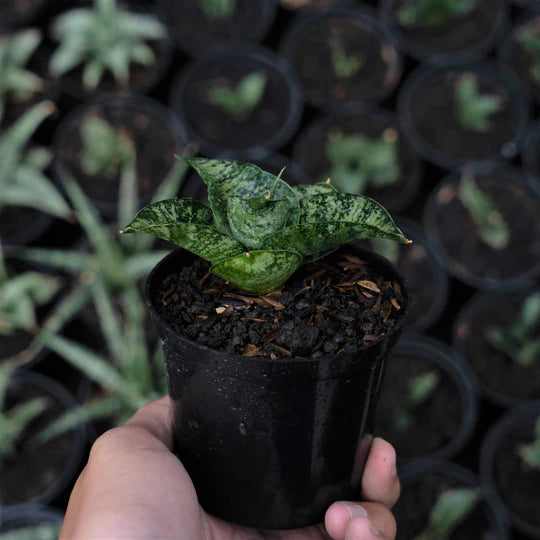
307 190
259 271
189 224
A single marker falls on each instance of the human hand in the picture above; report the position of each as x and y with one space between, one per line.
134 487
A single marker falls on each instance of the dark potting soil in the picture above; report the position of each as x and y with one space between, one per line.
435 118
216 126
154 142
458 34
311 57
31 470
493 367
322 310
426 433
451 225
518 483
311 155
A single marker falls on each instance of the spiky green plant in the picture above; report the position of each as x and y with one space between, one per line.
530 453
473 109
22 181
345 65
433 13
217 9
358 161
519 341
259 230
241 100
106 149
490 223
420 390
103 38
16 82
450 510
529 39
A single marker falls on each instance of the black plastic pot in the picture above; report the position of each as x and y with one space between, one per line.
449 226
502 380
453 403
157 137
271 444
62 455
17 521
305 46
199 37
467 38
426 113
424 480
311 154
515 485
270 125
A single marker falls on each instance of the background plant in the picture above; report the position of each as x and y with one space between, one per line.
345 65
530 453
239 101
217 9
103 38
358 161
520 341
529 38
490 223
433 13
259 230
45 531
16 82
473 108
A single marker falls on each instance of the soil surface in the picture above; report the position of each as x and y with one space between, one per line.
435 118
311 57
518 483
322 310
426 433
494 368
450 225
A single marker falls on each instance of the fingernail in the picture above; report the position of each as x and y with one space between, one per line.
355 510
374 530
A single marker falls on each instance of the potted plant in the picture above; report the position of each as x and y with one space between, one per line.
363 152
454 115
107 48
510 465
238 99
200 27
23 184
425 383
342 57
257 376
99 142
473 219
498 333
440 31
441 500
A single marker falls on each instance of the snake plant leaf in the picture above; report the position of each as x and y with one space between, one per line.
189 224
307 190
227 179
252 219
329 220
259 271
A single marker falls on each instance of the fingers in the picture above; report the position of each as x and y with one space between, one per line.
360 521
380 482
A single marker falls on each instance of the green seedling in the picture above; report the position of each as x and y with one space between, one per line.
529 38
259 230
519 341
241 100
451 509
420 390
345 65
22 180
490 223
103 38
217 9
106 150
530 453
358 161
433 13
473 109
16 82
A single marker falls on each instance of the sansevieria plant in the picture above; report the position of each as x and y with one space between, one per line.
259 230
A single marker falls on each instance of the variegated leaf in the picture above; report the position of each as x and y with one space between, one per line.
307 190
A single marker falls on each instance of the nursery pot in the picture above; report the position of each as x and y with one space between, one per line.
272 443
